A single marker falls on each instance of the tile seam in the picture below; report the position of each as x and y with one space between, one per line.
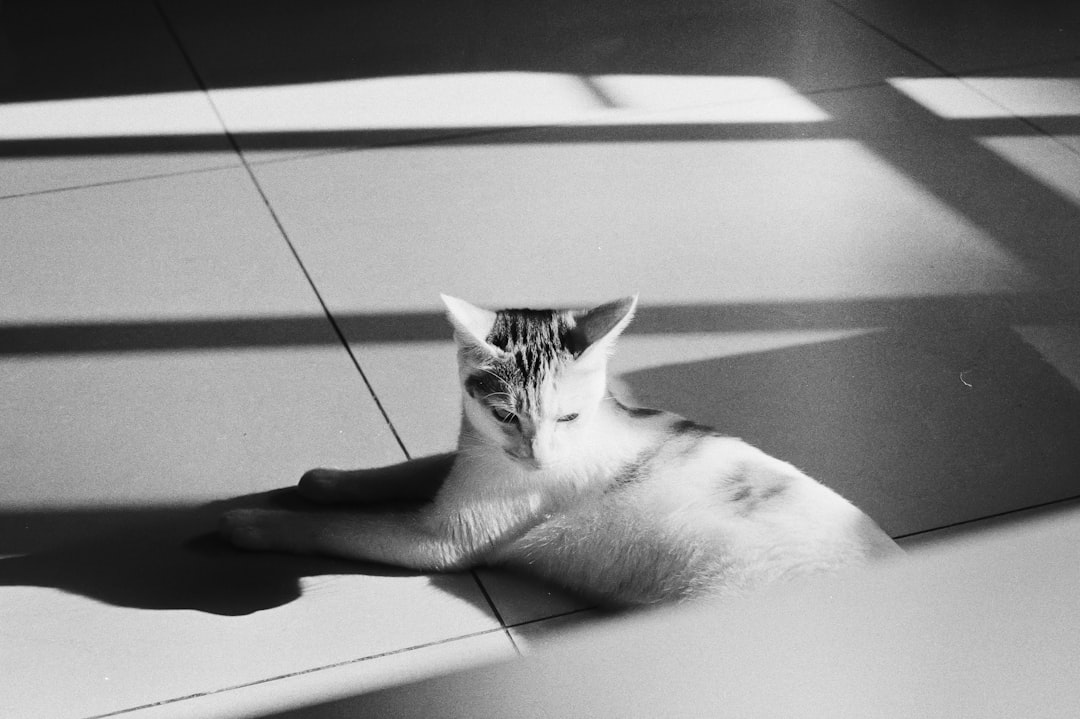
996 515
120 181
281 229
299 673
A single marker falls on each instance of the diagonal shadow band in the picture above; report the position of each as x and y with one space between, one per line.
396 327
641 130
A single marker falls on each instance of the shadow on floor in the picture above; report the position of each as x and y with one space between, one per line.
167 558
396 327
921 430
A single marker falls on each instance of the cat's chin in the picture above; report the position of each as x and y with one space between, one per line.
530 464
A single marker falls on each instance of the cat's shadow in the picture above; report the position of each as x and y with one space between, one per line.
169 558
921 430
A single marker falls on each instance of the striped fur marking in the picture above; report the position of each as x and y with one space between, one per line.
638 469
534 343
749 499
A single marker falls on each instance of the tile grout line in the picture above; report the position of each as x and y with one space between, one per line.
326 310
495 610
119 181
1030 124
996 515
509 131
390 144
950 74
946 71
337 329
347 662
602 96
300 673
281 228
891 38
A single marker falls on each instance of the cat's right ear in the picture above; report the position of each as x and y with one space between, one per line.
597 329
472 324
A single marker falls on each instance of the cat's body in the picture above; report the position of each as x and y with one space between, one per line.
556 478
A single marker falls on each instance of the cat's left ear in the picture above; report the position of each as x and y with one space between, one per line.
472 324
596 329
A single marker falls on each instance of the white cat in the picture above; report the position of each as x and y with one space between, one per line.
555 477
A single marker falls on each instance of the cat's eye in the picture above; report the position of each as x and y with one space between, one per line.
568 417
504 416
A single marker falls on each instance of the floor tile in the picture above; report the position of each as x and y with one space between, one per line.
1047 96
902 244
344 114
573 221
520 598
1015 526
966 35
74 109
122 429
1059 345
127 308
1037 150
349 679
534 636
812 44
1050 92
921 427
877 284
418 388
189 247
111 562
941 153
909 639
1042 157
165 359
431 70
82 658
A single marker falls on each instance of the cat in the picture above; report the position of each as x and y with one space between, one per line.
556 477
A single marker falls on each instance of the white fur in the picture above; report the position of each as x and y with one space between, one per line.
627 507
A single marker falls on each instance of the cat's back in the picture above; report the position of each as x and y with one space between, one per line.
734 495
690 512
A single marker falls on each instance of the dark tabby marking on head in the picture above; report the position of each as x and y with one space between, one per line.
533 342
482 385
535 339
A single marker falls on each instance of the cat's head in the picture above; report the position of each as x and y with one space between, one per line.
533 379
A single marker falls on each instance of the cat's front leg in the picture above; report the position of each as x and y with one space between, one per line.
405 539
414 480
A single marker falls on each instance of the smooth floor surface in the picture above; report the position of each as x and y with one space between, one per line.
853 225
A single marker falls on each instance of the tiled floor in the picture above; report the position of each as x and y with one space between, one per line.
225 226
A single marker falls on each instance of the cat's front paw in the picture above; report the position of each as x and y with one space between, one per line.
244 528
320 485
